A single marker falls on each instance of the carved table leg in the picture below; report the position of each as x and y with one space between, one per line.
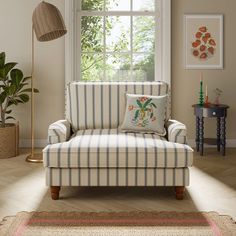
218 134
197 133
222 134
55 192
179 192
201 133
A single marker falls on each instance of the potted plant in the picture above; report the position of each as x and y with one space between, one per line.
13 91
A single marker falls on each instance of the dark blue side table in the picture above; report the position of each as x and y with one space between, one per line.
211 111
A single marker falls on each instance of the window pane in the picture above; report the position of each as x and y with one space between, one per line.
144 5
118 33
92 67
143 65
118 5
143 33
92 34
88 5
118 67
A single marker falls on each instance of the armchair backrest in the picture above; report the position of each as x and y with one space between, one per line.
100 105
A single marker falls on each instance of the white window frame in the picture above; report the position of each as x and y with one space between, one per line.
163 47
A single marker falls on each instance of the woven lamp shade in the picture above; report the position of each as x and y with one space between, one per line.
48 23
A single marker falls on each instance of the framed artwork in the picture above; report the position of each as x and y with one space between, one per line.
203 39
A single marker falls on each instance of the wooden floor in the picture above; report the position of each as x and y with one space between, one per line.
213 188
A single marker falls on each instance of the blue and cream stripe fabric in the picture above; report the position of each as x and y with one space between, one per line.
109 148
59 132
177 132
117 177
101 105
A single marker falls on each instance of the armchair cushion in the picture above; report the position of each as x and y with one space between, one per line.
108 148
177 132
59 131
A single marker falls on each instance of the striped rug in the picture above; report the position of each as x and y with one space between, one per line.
117 224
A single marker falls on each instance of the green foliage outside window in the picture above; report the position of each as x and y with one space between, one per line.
117 64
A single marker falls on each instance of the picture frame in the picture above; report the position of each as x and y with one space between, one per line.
203 41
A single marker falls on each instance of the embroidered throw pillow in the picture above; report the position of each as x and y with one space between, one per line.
145 113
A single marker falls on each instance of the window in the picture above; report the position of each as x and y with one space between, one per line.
118 40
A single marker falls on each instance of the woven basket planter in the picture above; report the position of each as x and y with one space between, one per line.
9 141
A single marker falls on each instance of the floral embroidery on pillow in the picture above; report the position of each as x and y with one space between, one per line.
143 112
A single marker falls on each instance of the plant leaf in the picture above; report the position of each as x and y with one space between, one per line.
16 76
147 102
139 104
136 114
21 86
153 104
2 74
2 97
2 59
8 67
12 89
29 90
6 90
8 112
24 97
27 78
12 102
10 117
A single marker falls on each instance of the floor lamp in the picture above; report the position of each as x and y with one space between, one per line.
48 25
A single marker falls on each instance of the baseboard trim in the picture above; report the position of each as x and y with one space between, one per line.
39 143
231 143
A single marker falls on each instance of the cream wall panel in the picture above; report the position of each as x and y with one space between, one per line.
185 83
15 40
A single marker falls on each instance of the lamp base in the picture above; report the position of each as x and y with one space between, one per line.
35 158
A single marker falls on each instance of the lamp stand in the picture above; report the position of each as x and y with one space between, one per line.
33 157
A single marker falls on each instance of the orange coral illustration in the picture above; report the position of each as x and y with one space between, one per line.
204 46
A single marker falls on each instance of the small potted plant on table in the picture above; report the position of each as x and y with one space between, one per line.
13 90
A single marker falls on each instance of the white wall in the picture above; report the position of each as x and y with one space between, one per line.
185 83
15 40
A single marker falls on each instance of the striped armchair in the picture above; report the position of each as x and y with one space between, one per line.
87 148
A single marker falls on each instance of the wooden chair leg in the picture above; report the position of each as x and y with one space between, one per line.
55 192
179 192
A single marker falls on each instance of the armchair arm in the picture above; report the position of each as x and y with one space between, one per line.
176 131
59 131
